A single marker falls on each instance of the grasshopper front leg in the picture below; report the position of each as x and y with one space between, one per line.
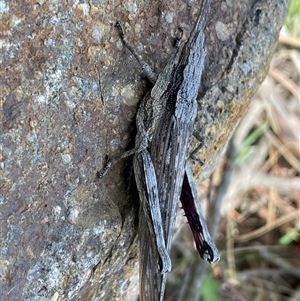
145 67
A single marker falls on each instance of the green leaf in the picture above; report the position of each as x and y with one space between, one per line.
290 236
246 149
293 17
245 155
210 288
252 137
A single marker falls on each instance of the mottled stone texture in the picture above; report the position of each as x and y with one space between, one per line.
69 93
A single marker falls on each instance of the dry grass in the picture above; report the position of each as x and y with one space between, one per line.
258 185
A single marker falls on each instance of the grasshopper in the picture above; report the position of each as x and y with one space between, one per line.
165 122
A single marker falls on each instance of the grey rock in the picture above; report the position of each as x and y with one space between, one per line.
69 93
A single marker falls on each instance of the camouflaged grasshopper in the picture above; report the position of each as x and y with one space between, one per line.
165 122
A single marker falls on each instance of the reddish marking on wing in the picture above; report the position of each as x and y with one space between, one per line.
189 208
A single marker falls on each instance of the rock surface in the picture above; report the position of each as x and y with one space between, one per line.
69 93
